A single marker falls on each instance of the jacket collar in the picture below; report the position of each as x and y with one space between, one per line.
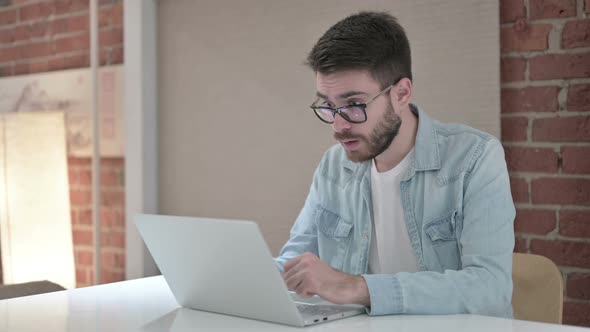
426 148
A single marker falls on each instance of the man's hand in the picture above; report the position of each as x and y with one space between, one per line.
307 275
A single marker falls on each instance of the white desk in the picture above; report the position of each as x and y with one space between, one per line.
148 305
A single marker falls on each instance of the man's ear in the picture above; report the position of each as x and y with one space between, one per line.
401 94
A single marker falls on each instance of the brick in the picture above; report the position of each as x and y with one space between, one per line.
108 218
578 98
76 161
104 55
8 54
533 38
81 276
520 190
115 163
560 191
85 217
35 50
40 29
110 178
113 239
110 37
85 177
512 69
70 62
7 17
570 129
563 253
6 36
21 69
521 159
29 68
576 34
104 17
71 6
574 223
78 23
578 286
113 260
117 14
530 99
109 276
520 244
559 66
540 9
576 313
116 56
514 129
576 159
510 10
112 198
22 32
36 11
38 67
534 221
82 237
76 61
56 63
80 197
84 258
70 24
69 44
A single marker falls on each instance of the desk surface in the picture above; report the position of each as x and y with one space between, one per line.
148 305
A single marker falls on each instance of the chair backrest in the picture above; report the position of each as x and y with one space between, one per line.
538 289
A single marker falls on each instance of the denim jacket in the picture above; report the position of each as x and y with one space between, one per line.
459 214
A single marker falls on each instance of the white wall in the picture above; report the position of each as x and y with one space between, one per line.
236 138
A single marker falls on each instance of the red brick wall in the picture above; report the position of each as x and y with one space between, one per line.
545 63
41 36
112 215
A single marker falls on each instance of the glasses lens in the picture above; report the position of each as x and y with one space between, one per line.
325 114
354 114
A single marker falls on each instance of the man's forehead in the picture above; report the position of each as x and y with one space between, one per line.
344 84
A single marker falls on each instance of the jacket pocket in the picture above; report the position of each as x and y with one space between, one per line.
441 247
331 225
334 236
442 229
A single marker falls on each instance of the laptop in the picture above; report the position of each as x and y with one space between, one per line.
225 266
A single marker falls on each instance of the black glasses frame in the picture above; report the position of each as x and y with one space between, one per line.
317 109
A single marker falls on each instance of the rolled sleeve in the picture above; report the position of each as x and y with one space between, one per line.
385 294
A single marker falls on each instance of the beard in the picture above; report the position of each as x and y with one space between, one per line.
378 140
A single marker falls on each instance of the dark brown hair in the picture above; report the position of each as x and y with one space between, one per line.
373 41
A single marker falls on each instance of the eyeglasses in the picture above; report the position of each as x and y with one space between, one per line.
355 113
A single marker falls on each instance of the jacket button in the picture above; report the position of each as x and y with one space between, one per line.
366 236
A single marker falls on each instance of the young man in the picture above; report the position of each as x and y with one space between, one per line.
405 214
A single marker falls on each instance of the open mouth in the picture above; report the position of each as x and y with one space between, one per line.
350 144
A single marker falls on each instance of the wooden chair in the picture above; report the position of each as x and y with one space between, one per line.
538 289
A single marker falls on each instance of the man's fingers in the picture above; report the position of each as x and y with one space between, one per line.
304 290
293 282
290 272
290 263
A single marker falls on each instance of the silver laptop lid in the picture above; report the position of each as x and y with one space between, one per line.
216 265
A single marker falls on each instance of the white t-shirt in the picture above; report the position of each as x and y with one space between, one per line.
391 251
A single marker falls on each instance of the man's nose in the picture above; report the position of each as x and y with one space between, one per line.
340 124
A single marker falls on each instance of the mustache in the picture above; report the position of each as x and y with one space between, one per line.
346 135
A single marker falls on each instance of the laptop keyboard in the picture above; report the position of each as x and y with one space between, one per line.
319 309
